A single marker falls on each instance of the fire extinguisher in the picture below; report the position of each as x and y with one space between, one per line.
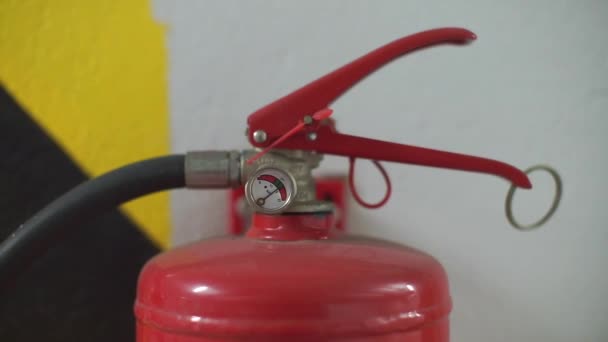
292 277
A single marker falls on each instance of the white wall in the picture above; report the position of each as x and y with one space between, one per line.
533 88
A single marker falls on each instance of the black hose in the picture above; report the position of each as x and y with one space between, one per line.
84 202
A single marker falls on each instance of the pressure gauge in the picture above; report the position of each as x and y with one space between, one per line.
270 190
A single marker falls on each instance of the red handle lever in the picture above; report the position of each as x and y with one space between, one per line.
282 115
329 141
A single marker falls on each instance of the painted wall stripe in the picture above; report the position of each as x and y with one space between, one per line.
93 74
82 289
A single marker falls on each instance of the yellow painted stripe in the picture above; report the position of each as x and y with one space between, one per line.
93 74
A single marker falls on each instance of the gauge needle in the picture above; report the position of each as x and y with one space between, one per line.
260 201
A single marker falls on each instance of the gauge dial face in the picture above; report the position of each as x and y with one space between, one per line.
270 190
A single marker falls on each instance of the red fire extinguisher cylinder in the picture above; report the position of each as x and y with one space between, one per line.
293 276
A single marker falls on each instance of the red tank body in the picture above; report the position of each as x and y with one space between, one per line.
293 278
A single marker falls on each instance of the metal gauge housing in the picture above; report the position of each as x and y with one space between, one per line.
270 190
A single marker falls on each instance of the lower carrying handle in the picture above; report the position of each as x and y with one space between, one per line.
327 140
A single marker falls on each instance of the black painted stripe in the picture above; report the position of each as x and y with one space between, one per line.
83 289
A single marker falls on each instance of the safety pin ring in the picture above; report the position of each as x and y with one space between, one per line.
556 199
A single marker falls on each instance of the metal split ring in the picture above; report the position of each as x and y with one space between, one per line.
556 199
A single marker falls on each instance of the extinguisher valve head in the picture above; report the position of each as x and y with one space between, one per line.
301 119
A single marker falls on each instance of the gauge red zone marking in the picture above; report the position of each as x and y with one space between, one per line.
276 182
